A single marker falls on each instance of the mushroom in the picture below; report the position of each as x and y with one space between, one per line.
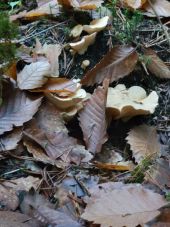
76 31
127 103
96 25
81 46
85 64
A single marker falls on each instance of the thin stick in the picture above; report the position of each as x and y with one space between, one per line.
159 20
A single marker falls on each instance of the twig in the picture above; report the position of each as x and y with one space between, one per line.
159 20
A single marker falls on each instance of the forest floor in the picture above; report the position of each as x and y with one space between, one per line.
75 151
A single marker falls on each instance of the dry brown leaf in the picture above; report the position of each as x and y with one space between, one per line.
92 119
33 75
52 53
60 86
23 183
159 173
17 107
156 65
51 134
15 219
126 103
134 4
82 4
122 205
162 8
8 198
9 141
143 142
110 166
49 8
117 63
12 71
38 152
81 46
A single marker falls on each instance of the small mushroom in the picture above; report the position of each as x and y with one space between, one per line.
76 31
81 46
127 103
85 64
96 25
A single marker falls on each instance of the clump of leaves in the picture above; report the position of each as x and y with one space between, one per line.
8 31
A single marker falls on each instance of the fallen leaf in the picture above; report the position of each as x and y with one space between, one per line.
162 8
82 4
33 75
122 205
49 131
126 103
96 25
17 107
8 198
23 183
92 119
9 141
15 219
52 53
155 64
81 46
12 71
109 166
117 63
159 173
143 142
134 4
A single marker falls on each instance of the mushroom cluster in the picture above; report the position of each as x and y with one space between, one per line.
127 103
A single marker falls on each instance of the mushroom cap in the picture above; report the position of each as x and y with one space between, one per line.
76 31
81 46
96 25
127 103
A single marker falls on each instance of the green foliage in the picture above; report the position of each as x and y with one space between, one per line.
138 174
124 25
167 196
8 31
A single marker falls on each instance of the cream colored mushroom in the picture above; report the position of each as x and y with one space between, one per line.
127 103
81 46
85 64
96 25
76 31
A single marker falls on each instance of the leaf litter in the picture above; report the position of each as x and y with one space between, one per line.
57 118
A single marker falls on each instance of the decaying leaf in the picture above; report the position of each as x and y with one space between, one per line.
127 103
96 25
134 4
156 65
162 8
143 142
15 219
23 183
117 63
81 46
159 173
122 205
9 141
92 119
82 4
51 134
52 53
8 198
33 75
17 108
109 166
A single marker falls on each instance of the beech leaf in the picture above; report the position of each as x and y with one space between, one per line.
9 141
17 108
82 4
156 65
122 205
134 4
143 142
33 75
117 63
92 119
162 8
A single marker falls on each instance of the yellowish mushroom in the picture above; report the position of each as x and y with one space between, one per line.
85 64
76 31
96 25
